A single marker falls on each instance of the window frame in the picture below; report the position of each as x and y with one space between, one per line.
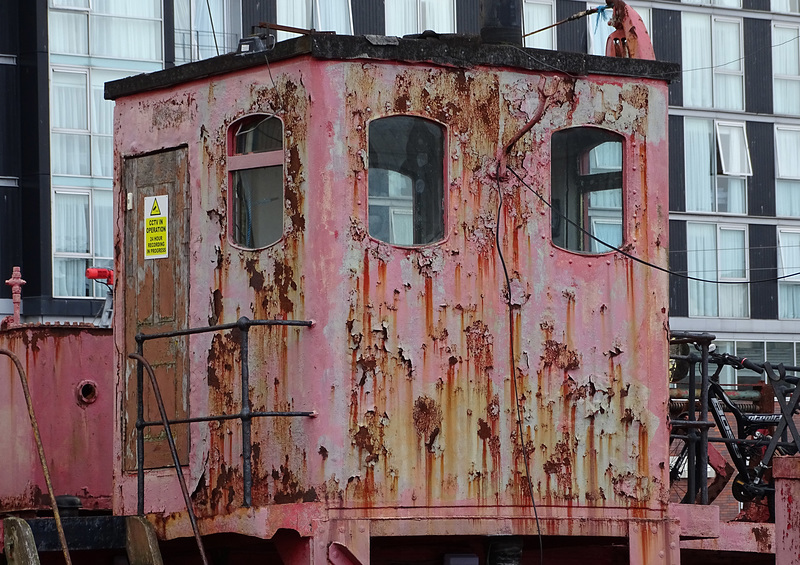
718 161
419 25
718 276
249 161
384 200
91 256
779 77
589 215
715 68
552 32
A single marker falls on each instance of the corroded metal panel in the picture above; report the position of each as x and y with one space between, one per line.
70 375
409 363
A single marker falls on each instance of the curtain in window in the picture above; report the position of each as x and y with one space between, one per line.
787 194
126 38
69 101
334 15
696 59
700 162
702 263
785 6
69 154
536 15
789 263
728 86
69 32
608 231
103 231
786 63
402 17
733 302
70 235
293 13
437 15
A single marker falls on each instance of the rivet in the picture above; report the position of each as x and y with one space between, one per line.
590 264
608 261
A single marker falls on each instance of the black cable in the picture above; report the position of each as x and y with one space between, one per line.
633 257
514 366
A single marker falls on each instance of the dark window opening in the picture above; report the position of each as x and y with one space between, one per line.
586 176
256 167
406 180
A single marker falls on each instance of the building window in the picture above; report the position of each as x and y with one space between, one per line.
713 68
406 180
726 3
792 6
112 28
322 15
537 14
789 267
717 161
787 169
255 164
717 253
586 176
82 238
82 122
404 17
599 30
758 351
786 69
205 28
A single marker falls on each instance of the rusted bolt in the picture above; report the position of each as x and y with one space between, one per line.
86 392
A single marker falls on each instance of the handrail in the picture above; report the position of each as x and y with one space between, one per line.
174 451
246 415
40 448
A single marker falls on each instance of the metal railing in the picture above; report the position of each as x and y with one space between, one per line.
245 415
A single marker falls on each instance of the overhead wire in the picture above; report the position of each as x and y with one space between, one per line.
514 388
631 256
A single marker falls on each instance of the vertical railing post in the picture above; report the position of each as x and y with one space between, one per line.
247 465
140 427
691 439
704 386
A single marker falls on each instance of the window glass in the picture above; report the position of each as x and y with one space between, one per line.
406 180
404 17
256 166
713 70
696 59
708 190
586 176
71 223
733 150
753 350
789 264
786 6
728 375
126 38
787 189
717 253
195 36
69 101
68 32
786 69
537 15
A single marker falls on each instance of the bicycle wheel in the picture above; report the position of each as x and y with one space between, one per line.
678 472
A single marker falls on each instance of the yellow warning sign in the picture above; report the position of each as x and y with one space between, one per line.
156 227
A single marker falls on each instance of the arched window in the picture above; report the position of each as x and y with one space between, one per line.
406 180
255 163
586 177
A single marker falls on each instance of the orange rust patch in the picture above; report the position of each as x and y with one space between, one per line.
559 355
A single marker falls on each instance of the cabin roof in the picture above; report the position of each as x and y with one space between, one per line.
459 51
